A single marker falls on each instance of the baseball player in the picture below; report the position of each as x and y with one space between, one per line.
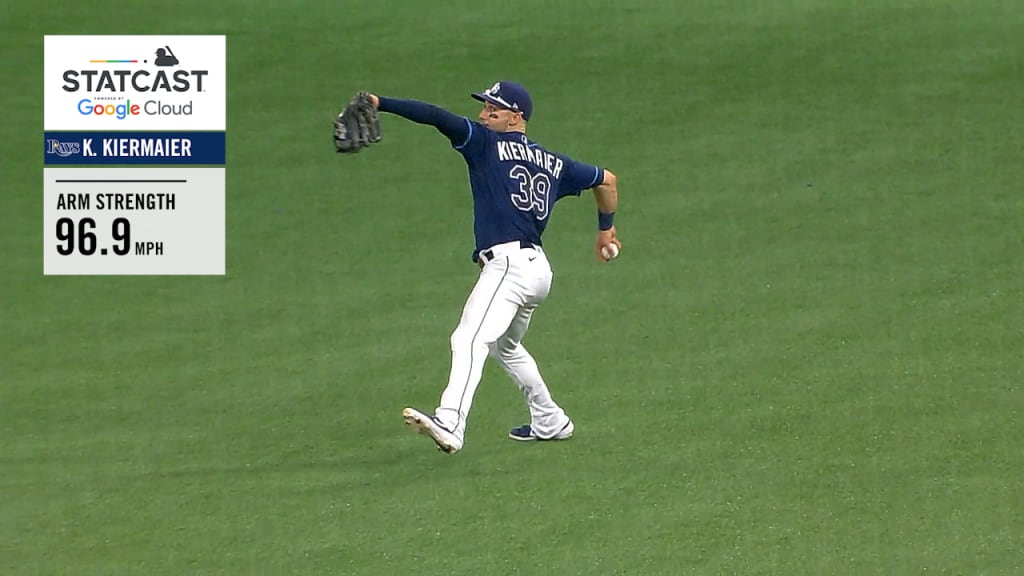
515 183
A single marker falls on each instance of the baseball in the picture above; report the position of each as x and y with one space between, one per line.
610 252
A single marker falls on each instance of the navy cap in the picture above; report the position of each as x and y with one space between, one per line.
508 95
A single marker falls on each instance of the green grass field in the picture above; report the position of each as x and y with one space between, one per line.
808 360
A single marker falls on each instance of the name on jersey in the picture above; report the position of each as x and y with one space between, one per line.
542 158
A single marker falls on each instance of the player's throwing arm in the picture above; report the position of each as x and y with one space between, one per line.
607 195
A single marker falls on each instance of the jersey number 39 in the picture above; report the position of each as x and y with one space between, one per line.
532 195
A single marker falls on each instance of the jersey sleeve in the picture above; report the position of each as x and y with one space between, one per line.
456 128
578 177
476 139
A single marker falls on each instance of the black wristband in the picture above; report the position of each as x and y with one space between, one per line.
605 221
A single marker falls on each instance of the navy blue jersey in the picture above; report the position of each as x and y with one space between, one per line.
515 181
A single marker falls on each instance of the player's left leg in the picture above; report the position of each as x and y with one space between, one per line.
489 310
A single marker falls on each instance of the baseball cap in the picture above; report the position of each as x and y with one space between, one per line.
508 95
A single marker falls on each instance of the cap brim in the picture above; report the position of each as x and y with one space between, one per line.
489 100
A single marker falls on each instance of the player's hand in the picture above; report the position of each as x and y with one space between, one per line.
607 239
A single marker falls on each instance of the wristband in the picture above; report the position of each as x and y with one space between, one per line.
605 221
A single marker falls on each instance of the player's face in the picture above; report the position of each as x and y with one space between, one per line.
498 119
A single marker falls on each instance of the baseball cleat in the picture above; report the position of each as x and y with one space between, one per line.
428 425
525 433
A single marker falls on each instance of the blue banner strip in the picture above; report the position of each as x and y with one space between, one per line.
117 148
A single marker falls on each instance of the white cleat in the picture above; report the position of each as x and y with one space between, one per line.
428 425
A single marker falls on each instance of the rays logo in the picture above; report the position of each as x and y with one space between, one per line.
135 78
62 149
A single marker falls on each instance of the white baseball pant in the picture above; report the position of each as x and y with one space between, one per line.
494 320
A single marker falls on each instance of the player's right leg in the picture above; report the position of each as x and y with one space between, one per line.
547 419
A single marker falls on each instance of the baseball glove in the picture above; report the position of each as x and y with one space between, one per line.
357 126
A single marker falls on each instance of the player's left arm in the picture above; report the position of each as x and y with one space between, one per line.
457 128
